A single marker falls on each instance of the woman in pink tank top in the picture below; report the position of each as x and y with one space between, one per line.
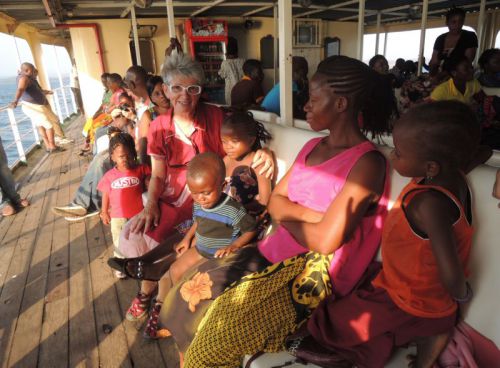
329 208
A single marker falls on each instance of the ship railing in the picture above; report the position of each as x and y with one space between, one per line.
63 110
17 137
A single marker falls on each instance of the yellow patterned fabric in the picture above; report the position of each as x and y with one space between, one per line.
257 312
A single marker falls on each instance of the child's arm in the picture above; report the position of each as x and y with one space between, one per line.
265 189
185 243
243 240
106 219
433 213
496 187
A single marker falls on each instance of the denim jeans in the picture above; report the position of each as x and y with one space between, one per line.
87 194
7 182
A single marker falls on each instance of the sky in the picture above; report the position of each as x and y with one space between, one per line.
403 44
9 62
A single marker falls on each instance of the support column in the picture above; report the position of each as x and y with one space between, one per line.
480 29
285 57
275 43
136 37
170 18
377 37
423 26
361 29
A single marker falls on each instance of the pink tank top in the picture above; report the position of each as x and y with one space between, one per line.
316 187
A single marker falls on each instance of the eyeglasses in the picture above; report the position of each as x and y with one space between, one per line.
192 89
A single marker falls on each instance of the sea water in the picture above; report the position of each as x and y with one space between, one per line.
8 88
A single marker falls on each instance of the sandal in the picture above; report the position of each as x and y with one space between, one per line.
138 269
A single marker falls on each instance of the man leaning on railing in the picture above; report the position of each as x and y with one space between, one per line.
36 107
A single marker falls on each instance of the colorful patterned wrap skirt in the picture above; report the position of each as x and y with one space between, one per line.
257 312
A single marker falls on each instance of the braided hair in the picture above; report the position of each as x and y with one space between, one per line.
243 124
367 91
125 140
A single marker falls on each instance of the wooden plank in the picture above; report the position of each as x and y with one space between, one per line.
113 350
143 353
55 338
15 350
83 350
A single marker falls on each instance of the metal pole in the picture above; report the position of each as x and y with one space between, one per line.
170 18
285 57
379 18
361 29
480 29
423 26
136 37
275 44
385 43
493 20
17 51
59 76
17 137
58 105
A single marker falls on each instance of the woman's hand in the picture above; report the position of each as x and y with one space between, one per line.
106 219
264 160
147 219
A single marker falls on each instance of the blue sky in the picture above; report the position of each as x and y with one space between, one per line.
9 63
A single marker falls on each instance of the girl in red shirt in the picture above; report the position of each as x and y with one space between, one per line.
122 187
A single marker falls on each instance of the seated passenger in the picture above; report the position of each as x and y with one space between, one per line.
379 64
220 227
329 206
248 93
426 243
489 98
241 138
300 90
461 86
161 104
122 187
190 127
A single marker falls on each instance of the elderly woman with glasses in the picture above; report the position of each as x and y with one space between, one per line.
188 128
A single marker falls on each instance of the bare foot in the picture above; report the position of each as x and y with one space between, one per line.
8 210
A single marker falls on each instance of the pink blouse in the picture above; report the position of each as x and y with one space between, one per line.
316 187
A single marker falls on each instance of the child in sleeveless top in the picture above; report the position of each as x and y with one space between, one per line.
122 187
241 137
426 245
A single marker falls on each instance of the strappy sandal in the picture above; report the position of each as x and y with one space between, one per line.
138 269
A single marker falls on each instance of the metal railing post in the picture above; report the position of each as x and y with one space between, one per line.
72 99
59 76
17 136
58 106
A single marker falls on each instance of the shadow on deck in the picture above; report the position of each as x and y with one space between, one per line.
60 304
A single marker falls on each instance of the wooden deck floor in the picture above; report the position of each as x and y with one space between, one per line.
60 304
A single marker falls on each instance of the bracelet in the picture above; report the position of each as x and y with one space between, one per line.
468 294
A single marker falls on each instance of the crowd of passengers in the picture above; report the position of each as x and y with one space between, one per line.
233 264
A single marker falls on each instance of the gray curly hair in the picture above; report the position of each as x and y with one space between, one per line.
182 64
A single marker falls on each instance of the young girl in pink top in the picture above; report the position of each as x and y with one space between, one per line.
122 187
330 207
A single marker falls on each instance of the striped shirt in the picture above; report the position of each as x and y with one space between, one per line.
219 226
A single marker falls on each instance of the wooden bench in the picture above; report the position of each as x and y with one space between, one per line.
485 273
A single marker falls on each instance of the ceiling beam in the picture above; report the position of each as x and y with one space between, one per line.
258 10
205 8
48 11
396 8
322 9
438 11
